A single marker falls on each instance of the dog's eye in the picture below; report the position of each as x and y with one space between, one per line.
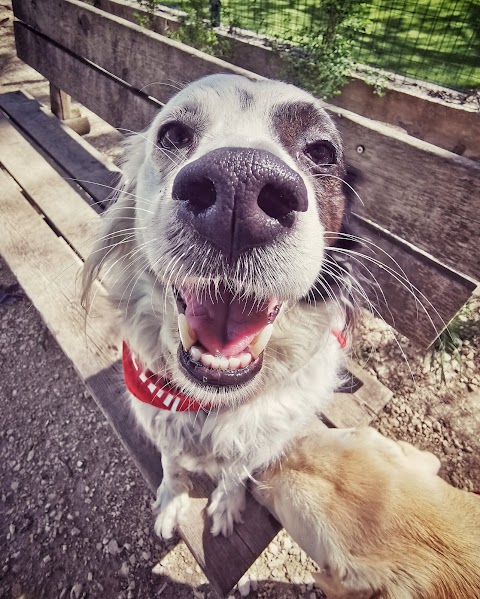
174 136
321 152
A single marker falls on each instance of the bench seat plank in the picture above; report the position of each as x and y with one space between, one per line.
56 198
361 407
78 158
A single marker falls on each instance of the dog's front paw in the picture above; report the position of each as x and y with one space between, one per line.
171 508
226 509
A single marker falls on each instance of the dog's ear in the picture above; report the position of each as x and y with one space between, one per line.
114 241
116 236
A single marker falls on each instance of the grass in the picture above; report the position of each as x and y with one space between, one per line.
433 40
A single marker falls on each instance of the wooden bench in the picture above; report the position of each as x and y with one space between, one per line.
49 221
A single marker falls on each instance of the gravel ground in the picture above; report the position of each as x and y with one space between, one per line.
75 519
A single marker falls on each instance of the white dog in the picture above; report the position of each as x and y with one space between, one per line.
220 252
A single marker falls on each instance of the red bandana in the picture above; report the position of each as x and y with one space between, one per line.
148 387
342 340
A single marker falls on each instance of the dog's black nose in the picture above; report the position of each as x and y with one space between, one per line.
239 198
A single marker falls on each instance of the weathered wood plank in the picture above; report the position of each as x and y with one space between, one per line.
61 107
424 194
113 100
224 558
247 52
38 258
59 202
107 388
132 53
361 407
416 294
433 198
47 268
60 103
76 156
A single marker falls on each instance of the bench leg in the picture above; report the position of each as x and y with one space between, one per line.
61 106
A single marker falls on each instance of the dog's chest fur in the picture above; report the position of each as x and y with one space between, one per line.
249 436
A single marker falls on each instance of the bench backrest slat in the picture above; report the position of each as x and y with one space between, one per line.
424 194
112 99
150 62
418 307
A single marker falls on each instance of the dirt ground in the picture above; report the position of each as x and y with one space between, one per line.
75 516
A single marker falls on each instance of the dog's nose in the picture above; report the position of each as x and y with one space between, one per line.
239 198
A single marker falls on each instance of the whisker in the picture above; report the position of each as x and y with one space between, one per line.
405 282
316 176
118 190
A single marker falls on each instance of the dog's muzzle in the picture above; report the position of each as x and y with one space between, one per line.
239 198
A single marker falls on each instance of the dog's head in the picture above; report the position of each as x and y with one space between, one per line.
231 198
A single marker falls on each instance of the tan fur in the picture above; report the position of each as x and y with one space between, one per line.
376 518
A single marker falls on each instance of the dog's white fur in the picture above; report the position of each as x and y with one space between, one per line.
375 517
143 253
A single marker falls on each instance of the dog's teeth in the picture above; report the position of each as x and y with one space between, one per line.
234 363
195 353
187 336
220 363
223 363
207 360
215 362
245 360
260 343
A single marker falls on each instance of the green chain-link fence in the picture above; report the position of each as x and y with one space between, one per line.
434 40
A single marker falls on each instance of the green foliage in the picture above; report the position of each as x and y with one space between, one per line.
196 30
147 20
376 78
322 60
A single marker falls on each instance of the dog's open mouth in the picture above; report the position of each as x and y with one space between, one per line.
223 336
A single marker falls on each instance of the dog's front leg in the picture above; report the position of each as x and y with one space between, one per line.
226 505
172 497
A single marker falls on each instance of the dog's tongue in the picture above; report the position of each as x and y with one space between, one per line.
224 325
